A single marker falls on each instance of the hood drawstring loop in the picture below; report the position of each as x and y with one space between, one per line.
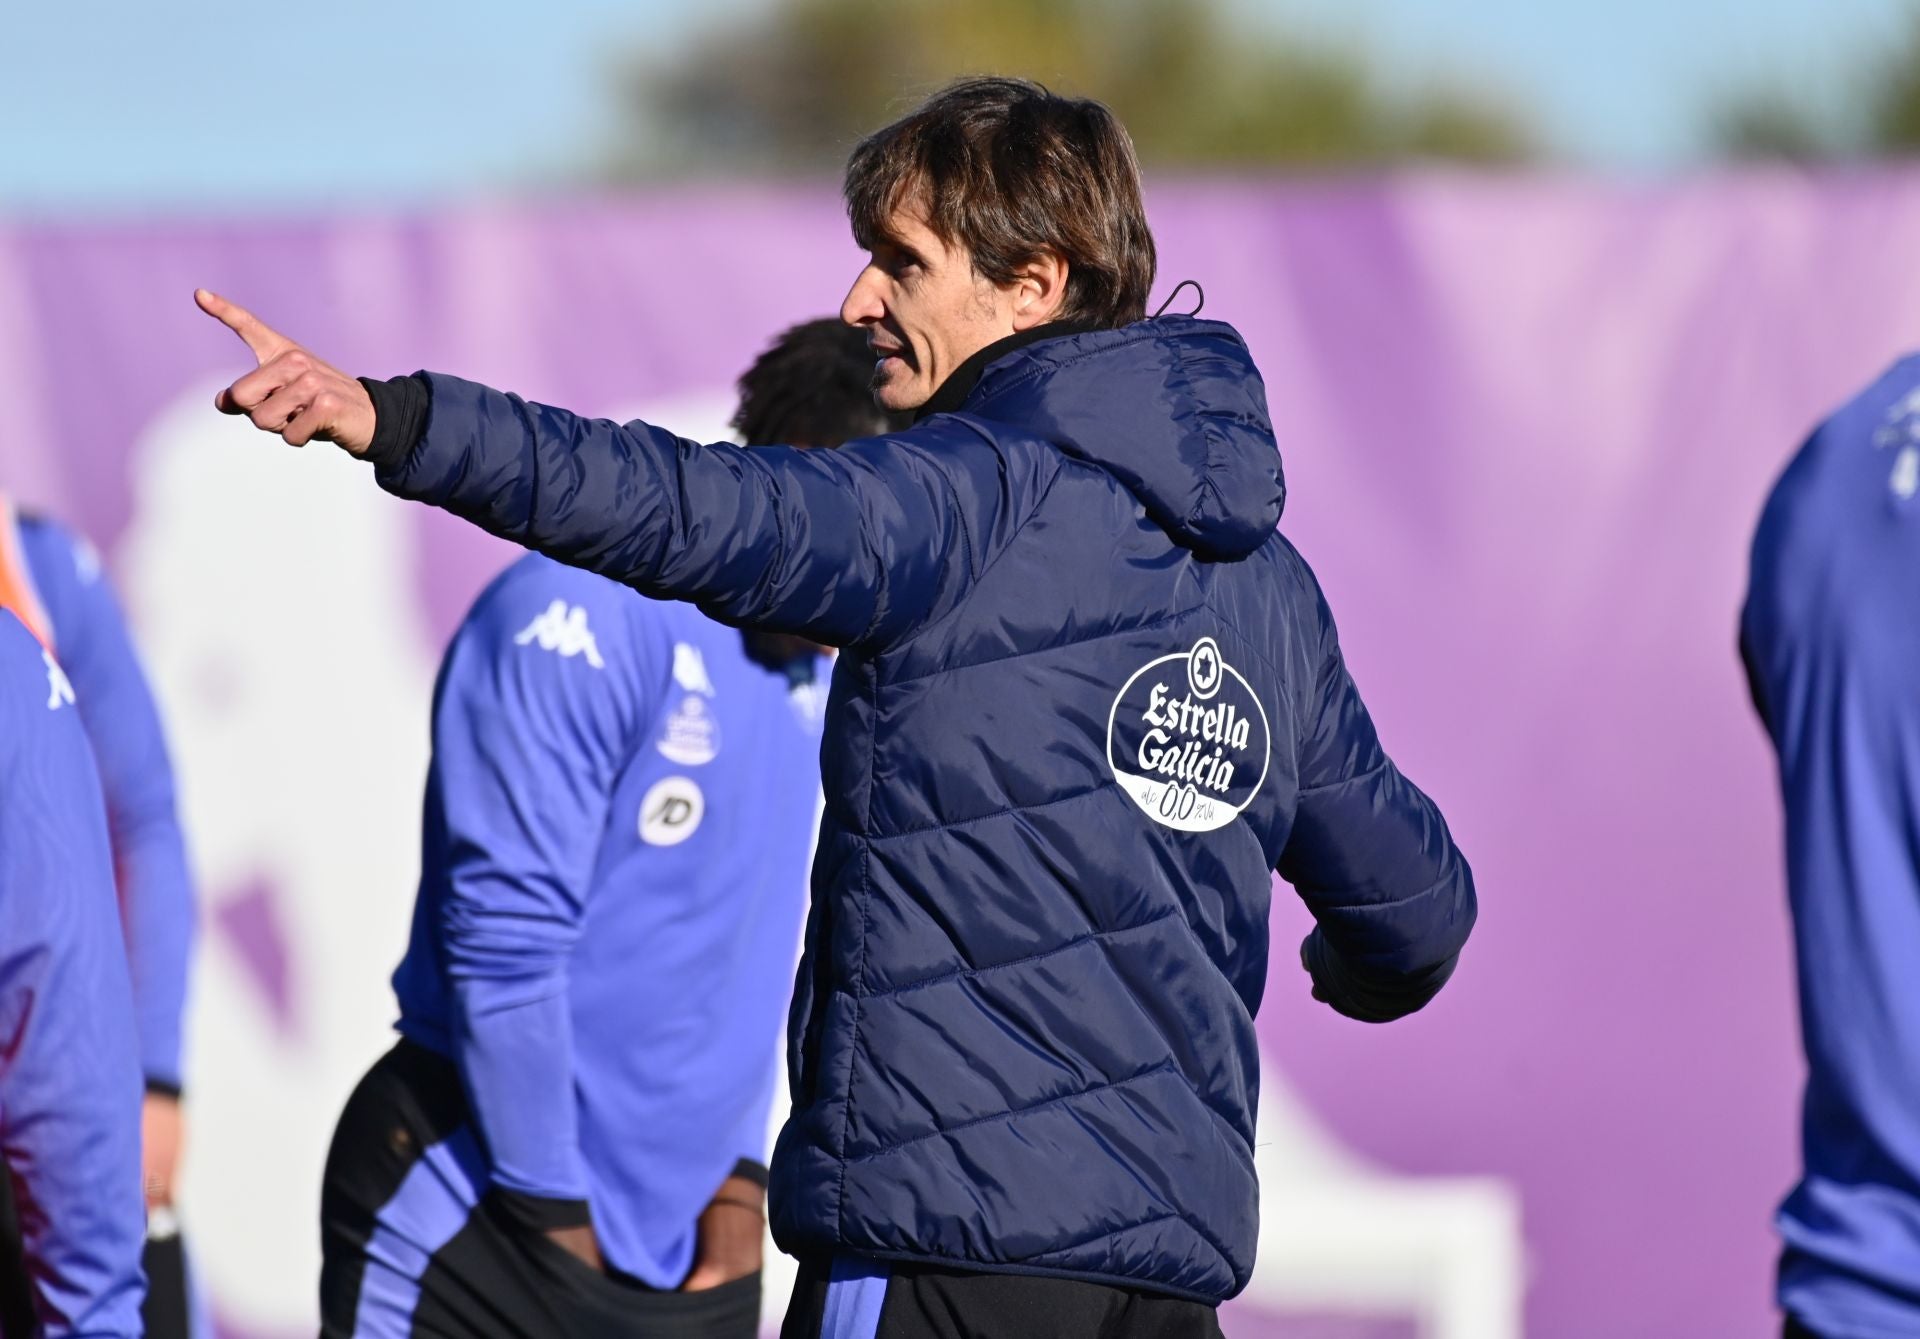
1199 298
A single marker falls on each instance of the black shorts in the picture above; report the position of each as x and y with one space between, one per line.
916 1302
414 1243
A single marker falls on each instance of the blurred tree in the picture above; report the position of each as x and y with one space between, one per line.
795 88
1893 99
1763 124
1767 121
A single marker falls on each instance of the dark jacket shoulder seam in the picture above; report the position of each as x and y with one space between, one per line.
975 579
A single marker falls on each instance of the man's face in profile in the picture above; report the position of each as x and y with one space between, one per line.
924 309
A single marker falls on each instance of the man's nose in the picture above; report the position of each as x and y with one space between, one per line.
862 304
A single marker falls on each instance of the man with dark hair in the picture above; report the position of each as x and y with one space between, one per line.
1089 700
1011 173
570 1137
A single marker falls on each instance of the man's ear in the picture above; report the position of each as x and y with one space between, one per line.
1039 289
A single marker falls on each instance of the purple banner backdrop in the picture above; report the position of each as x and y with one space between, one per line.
1528 425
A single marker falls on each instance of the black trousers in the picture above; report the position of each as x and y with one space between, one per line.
923 1303
164 1314
408 1250
1795 1330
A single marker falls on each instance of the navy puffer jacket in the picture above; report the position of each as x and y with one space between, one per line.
1090 699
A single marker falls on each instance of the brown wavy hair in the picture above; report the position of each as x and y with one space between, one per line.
1009 170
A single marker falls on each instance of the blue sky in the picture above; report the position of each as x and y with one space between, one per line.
1624 83
134 106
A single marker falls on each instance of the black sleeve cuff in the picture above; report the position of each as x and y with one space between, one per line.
536 1213
163 1088
400 408
755 1172
1355 995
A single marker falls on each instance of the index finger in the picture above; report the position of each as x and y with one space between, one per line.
256 334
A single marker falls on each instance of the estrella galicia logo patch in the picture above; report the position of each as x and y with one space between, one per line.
1188 739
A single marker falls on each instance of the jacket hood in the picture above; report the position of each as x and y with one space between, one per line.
1173 408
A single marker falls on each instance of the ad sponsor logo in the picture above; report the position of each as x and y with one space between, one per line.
671 811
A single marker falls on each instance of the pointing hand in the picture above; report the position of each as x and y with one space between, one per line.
291 392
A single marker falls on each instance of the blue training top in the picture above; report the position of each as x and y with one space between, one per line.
618 819
69 1079
52 580
1831 637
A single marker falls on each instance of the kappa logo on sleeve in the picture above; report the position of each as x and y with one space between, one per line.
59 686
1899 432
1187 738
562 629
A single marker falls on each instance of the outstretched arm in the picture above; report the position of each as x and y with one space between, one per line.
851 547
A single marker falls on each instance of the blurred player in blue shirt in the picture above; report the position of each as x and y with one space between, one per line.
569 1139
69 1073
52 581
1831 638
